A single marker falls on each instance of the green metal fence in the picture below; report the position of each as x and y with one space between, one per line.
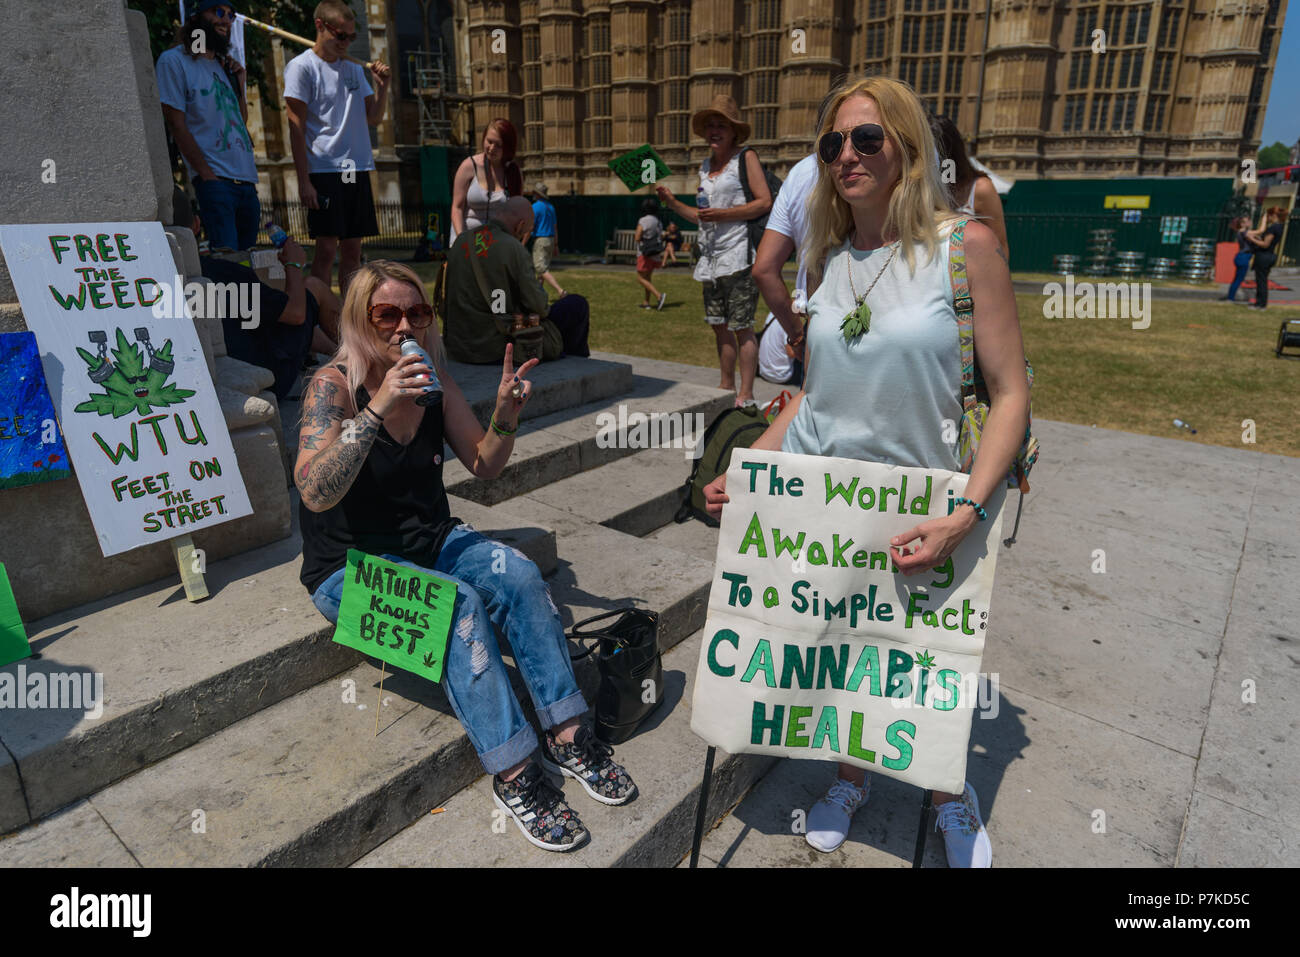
1035 238
1046 218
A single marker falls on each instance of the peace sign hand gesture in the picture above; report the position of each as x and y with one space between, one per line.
514 389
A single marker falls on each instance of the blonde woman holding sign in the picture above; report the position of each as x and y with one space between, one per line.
370 473
884 360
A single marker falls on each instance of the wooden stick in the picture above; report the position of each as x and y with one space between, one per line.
196 589
286 35
379 702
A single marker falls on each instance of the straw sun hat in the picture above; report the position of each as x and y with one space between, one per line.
725 107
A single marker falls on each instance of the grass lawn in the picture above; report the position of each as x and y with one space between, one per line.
1210 365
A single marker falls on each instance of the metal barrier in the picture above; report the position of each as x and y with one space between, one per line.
1037 239
401 226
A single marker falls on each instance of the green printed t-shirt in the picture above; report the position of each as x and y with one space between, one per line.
197 87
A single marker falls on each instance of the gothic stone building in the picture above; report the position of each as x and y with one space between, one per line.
1041 89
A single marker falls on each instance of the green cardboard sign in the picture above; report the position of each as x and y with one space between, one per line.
396 613
632 168
13 636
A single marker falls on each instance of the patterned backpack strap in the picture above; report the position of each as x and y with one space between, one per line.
965 308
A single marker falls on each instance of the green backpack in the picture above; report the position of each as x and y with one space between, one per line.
734 428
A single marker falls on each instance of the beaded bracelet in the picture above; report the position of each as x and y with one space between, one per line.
979 509
501 430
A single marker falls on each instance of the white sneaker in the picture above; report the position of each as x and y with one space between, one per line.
964 837
828 821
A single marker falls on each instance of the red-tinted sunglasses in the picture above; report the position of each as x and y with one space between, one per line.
386 316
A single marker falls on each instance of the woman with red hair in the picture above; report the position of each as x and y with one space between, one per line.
486 180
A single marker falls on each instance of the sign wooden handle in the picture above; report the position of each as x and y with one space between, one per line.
196 588
303 41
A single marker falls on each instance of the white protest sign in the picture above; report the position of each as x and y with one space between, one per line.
138 409
814 647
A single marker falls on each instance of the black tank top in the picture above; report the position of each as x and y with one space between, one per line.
396 505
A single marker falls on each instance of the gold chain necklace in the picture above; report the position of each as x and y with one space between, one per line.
858 322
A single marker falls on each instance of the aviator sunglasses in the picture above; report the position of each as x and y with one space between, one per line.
867 140
385 316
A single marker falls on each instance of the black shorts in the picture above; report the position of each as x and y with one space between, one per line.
350 212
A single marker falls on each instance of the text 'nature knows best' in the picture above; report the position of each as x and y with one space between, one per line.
815 646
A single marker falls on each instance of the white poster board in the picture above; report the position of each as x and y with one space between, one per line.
129 382
814 648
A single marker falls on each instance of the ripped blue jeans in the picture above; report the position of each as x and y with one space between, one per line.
495 585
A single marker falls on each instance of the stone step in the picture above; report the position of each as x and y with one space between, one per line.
558 385
635 494
664 758
305 781
174 673
691 537
553 447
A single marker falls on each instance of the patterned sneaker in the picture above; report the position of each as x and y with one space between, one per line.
539 810
829 819
964 836
587 761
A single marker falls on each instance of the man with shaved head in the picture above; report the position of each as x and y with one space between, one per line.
490 280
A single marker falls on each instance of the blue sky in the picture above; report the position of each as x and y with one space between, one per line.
1282 121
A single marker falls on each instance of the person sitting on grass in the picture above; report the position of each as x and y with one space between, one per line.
649 239
369 470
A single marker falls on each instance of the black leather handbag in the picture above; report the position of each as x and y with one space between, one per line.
631 669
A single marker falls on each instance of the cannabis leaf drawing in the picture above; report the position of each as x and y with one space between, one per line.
131 388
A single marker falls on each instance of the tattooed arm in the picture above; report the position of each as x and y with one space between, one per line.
329 455
332 450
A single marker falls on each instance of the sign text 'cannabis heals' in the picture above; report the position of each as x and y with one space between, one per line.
128 379
814 647
396 613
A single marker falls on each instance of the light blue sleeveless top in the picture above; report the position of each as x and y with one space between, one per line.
894 394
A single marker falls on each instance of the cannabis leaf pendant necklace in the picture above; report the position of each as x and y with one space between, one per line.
858 322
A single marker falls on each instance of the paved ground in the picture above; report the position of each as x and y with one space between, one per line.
1147 713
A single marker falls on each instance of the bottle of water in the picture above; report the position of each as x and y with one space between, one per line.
1180 424
277 235
432 394
701 198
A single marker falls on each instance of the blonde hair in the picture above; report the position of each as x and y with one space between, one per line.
357 352
918 206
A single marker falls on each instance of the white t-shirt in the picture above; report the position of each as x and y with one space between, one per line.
197 86
650 231
885 396
335 94
789 217
774 363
